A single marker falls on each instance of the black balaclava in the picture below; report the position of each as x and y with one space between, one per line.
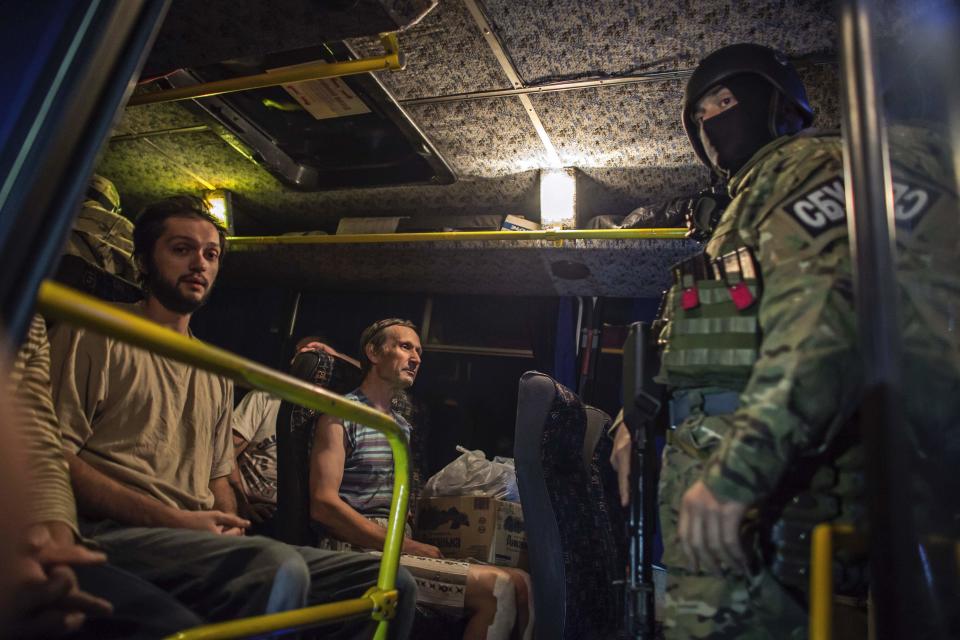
731 137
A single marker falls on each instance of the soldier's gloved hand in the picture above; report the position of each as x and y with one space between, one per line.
620 460
709 530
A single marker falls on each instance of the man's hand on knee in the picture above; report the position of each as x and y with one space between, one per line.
218 522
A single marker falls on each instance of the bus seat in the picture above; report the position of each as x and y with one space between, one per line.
571 534
294 437
89 278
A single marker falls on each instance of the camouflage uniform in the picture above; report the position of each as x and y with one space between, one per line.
790 448
790 355
100 235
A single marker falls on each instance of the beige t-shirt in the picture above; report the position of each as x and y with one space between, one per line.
156 425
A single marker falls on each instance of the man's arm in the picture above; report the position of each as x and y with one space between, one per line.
620 456
327 459
319 346
46 601
223 497
50 497
225 500
100 496
803 387
805 384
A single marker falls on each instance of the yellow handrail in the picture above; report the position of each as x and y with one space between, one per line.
672 233
71 306
392 60
288 620
825 536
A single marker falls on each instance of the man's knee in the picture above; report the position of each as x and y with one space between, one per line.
406 585
285 569
491 593
521 587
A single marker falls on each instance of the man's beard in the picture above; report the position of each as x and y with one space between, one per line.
170 296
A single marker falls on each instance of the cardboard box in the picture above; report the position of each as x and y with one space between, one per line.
518 223
351 226
486 529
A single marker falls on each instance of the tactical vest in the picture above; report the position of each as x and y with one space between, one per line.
710 335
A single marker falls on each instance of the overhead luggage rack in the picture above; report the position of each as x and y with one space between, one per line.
625 263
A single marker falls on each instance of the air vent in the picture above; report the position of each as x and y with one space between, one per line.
324 134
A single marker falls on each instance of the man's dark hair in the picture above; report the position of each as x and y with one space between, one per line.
376 335
152 219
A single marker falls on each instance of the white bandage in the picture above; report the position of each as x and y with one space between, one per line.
506 615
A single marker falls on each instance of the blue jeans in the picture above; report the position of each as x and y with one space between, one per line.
222 577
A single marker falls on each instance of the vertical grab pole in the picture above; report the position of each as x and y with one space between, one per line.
821 583
894 565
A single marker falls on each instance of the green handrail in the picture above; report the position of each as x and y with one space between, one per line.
79 309
668 233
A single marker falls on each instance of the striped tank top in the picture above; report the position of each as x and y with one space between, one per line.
367 483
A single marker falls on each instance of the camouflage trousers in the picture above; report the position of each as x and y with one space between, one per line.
718 605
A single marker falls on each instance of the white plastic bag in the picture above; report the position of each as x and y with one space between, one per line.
473 475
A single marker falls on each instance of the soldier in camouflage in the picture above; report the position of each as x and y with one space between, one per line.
760 356
760 351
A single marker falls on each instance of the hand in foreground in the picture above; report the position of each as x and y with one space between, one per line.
620 460
709 530
315 346
415 548
48 601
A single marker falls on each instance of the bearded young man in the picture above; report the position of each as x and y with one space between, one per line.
149 445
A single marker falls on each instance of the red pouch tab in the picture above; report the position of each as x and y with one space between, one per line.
690 298
741 295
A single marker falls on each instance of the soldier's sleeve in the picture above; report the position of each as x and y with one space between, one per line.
805 383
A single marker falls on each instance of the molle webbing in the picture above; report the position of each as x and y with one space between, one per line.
711 337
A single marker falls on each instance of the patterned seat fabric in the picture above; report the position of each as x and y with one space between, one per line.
294 437
575 554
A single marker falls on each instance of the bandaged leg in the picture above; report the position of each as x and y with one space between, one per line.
528 631
506 614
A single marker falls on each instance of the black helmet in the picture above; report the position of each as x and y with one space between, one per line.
738 59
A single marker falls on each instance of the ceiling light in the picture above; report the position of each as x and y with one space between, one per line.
558 197
220 203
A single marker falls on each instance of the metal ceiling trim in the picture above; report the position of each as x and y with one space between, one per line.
506 64
669 75
555 87
139 135
391 60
